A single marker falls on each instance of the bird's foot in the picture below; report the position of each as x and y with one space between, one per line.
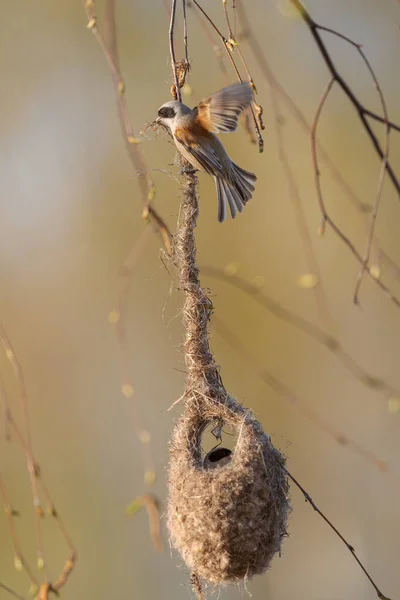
188 170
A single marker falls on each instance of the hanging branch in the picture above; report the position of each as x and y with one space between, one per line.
288 394
177 94
229 45
10 591
146 184
326 218
349 547
37 483
331 343
363 113
109 44
185 34
294 193
362 208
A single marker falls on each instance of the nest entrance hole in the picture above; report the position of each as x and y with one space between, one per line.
218 443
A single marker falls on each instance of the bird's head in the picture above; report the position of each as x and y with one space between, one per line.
170 113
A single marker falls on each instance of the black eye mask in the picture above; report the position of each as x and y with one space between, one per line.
167 112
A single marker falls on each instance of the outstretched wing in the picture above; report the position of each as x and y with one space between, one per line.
220 112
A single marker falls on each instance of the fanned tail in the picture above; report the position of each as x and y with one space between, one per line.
235 191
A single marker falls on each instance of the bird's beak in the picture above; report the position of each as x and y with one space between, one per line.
158 120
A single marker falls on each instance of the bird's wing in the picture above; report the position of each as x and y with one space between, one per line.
220 112
198 150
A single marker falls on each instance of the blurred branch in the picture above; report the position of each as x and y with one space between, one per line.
212 40
32 467
36 481
150 503
363 113
177 94
283 390
185 33
10 591
259 56
116 318
326 219
331 343
19 559
110 51
349 547
294 194
117 315
230 45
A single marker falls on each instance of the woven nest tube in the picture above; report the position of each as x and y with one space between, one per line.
227 513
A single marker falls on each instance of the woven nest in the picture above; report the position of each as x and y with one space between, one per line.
227 513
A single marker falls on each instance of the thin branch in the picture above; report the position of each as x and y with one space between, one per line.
349 547
326 219
385 157
4 408
285 392
229 45
19 559
117 315
381 180
35 475
151 504
359 107
294 194
228 23
349 193
110 51
10 591
32 467
329 342
172 51
213 41
185 35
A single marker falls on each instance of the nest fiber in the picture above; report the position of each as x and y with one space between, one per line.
226 521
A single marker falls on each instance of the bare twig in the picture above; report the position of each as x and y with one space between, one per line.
325 217
229 45
33 471
4 408
381 179
213 41
117 315
142 171
10 591
172 52
285 392
362 208
19 559
35 475
185 35
329 342
151 504
294 193
350 548
362 111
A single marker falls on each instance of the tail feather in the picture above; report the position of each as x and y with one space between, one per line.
227 194
235 191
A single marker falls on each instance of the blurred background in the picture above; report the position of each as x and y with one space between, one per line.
71 213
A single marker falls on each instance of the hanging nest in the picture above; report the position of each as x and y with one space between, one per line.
227 512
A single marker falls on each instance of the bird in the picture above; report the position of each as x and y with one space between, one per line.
194 133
